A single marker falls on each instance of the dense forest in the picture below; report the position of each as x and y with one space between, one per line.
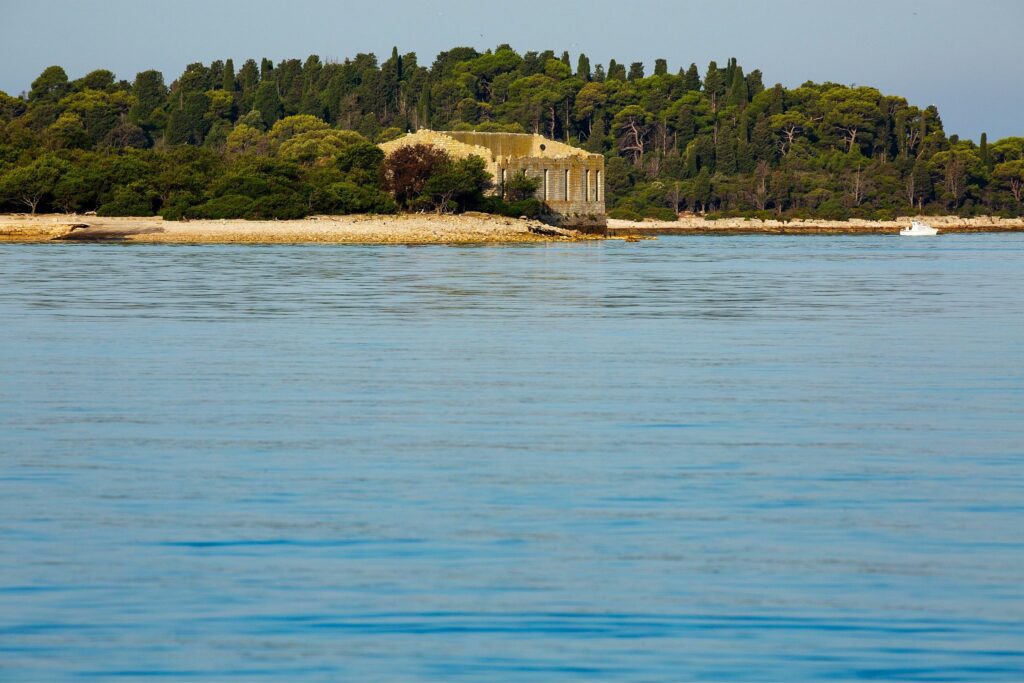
295 138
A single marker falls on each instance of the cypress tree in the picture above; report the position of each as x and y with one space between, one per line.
745 159
566 60
636 71
268 103
599 75
583 68
311 102
248 81
423 109
595 143
762 142
725 150
985 153
266 69
613 68
755 84
216 79
150 93
228 80
691 81
776 104
738 94
922 182
714 85
660 67
177 128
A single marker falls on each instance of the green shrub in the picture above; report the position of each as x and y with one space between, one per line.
284 206
624 214
135 199
661 213
225 206
833 210
531 208
520 186
177 205
347 197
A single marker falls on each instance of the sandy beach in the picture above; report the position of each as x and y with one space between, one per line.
434 229
400 229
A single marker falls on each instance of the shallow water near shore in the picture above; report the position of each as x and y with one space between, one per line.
696 458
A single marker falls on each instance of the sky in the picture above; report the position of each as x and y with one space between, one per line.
963 56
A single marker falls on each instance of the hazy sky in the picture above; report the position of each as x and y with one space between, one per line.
965 56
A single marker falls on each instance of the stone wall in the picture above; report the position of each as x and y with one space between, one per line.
571 179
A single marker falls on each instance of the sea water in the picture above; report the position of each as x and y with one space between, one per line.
704 458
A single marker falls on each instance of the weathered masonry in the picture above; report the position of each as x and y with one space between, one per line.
571 179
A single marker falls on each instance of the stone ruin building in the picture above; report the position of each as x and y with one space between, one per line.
571 179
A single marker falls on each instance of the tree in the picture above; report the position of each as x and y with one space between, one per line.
150 94
456 186
918 185
519 187
32 184
100 79
714 85
632 126
691 81
246 140
850 112
583 68
739 94
228 77
788 126
268 103
290 126
318 146
51 85
1011 175
67 132
983 152
956 169
407 169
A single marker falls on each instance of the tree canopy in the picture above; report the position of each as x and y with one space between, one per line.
680 138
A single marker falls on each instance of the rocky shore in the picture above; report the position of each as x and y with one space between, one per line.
740 226
400 229
434 229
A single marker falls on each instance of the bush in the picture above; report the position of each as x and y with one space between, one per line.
833 210
177 205
520 186
347 197
661 213
456 186
531 208
624 214
285 206
225 206
134 200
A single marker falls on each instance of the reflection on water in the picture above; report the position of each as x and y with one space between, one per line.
756 458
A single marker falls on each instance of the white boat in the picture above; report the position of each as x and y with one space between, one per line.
918 229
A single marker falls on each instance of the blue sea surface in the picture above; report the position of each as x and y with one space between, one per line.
758 458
